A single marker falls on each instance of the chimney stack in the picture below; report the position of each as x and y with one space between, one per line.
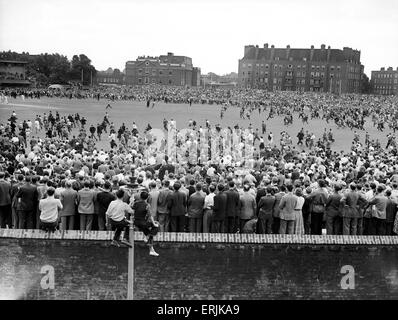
312 53
328 54
272 52
287 51
265 45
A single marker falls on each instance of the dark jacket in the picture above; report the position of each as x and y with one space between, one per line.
5 193
104 198
351 201
220 206
232 203
266 206
391 210
27 197
333 205
195 205
177 203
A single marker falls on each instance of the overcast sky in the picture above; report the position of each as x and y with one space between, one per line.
212 32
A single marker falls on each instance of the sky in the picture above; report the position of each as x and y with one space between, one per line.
212 32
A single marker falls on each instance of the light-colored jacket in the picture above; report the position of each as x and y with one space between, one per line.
248 206
287 205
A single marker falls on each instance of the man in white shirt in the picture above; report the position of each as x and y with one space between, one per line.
116 217
49 208
208 209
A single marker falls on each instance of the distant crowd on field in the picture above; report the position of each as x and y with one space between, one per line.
346 110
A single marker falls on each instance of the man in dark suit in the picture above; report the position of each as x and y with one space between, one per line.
219 211
232 209
196 202
350 201
5 202
265 210
14 201
177 204
319 198
27 200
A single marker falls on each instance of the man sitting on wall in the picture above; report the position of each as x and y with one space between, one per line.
49 208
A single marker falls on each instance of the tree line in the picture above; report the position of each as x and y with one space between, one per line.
54 68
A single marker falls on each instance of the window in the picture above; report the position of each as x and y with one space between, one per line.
277 58
274 80
139 71
147 63
146 71
170 81
139 80
244 65
290 66
266 66
154 72
160 72
170 72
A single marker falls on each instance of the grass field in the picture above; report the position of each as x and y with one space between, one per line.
129 111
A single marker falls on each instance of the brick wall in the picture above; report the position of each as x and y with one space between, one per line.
207 266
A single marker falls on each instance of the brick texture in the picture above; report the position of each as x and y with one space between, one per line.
259 267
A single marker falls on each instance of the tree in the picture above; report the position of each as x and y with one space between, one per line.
53 68
365 84
81 67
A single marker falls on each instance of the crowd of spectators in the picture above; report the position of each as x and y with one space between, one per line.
283 190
